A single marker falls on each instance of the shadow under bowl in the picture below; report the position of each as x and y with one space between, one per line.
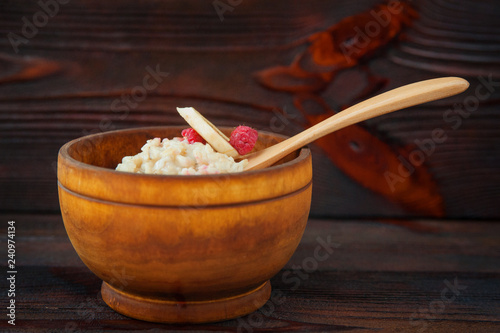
181 249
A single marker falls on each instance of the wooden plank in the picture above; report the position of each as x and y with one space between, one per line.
72 77
379 276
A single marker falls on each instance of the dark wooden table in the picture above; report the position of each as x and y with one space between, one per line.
385 275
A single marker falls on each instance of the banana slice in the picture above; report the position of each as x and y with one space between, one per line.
208 131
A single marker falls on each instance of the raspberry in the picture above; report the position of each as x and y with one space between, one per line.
192 136
243 139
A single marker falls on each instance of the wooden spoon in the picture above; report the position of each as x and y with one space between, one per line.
393 100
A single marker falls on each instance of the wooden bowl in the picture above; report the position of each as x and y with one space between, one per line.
181 249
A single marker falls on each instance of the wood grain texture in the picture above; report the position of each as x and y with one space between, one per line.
377 277
78 75
195 250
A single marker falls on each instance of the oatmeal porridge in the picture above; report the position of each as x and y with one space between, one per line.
179 157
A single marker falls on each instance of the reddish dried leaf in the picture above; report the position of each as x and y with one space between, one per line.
374 164
345 43
27 69
290 79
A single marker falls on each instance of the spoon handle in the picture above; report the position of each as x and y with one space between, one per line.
393 100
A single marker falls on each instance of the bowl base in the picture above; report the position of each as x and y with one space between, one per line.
164 311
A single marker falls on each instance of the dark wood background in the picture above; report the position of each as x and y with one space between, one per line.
275 65
68 79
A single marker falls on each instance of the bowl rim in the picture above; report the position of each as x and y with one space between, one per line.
108 184
63 152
